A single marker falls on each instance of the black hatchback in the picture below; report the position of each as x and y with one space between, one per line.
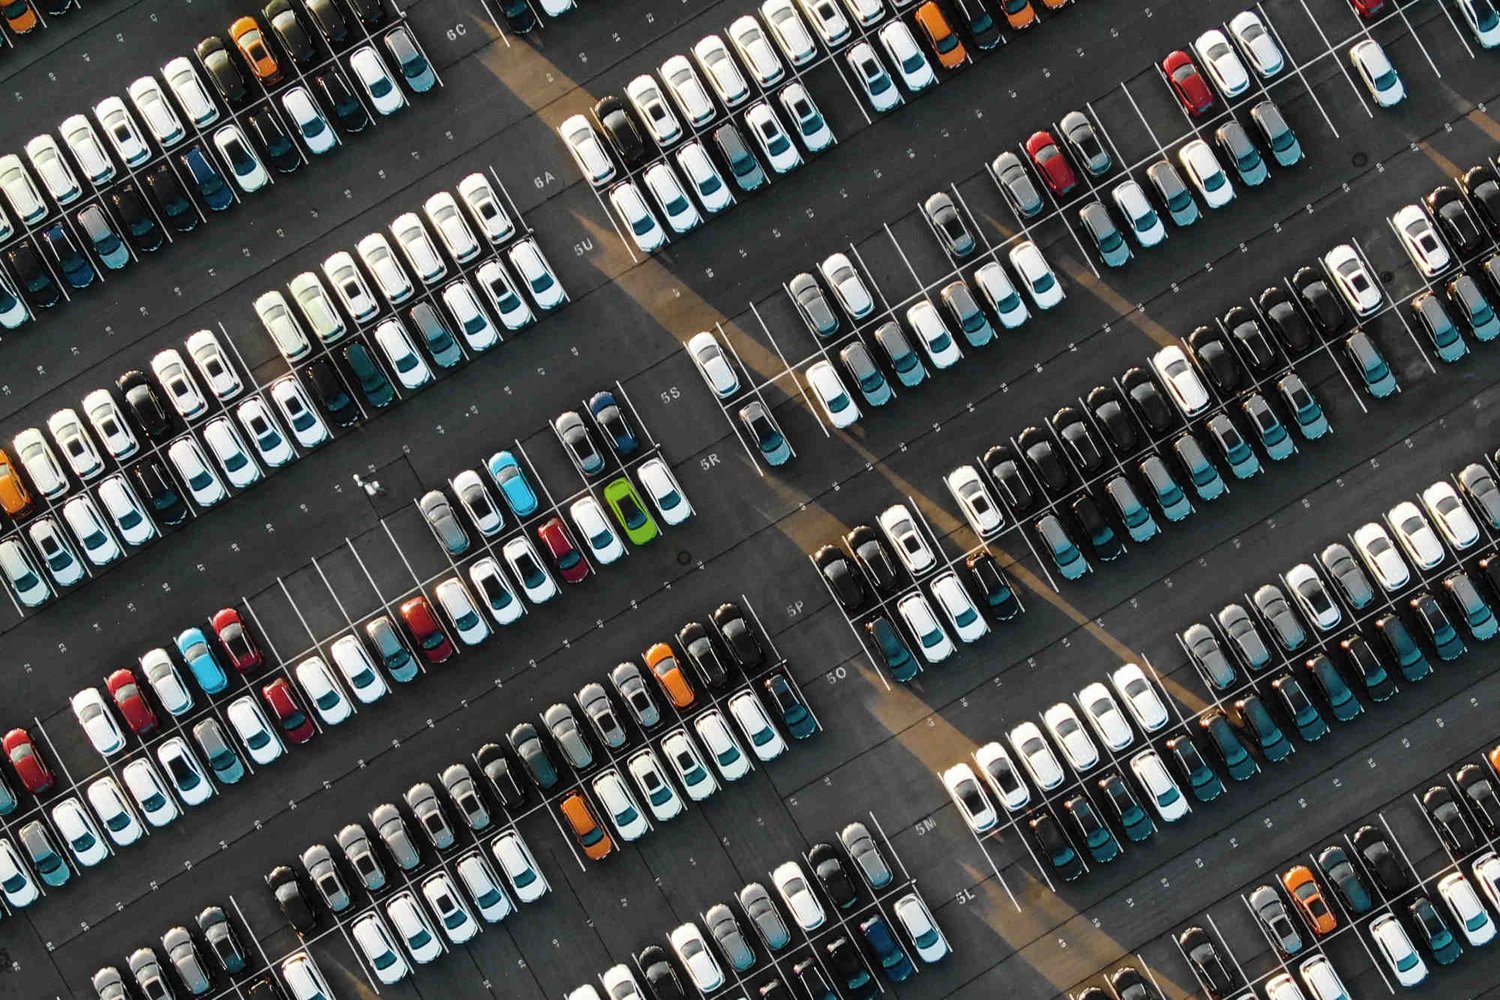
141 227
328 389
37 286
622 130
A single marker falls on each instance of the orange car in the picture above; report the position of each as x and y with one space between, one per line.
1019 13
1306 893
1494 754
591 836
251 41
940 35
662 663
15 498
19 15
1056 4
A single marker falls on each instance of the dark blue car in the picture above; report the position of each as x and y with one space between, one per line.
888 952
208 179
612 420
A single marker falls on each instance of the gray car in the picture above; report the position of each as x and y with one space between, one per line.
600 712
45 858
1277 134
391 829
183 954
865 373
725 930
527 743
575 438
325 877
866 855
1244 636
147 972
961 305
465 795
1174 194
424 805
1273 915
1351 579
223 943
1480 486
747 171
1208 654
761 910
108 985
563 726
360 854
1107 238
217 750
948 224
1235 144
439 514
908 364
816 311
1274 609
1084 143
1016 184
631 687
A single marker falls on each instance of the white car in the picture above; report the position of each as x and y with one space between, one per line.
378 84
501 293
1141 219
624 815
790 33
902 50
316 307
916 920
1420 240
1166 798
1415 535
1381 556
1181 380
308 120
1468 912
1037 276
304 979
184 771
932 332
394 283
999 772
211 362
665 493
229 452
755 51
477 502
921 620
1452 517
401 354
692 951
1379 76
651 105
458 605
98 724
1140 697
723 749
1068 732
1222 63
723 72
794 890
79 831
57 177
108 802
958 607
448 906
19 888
296 409
969 796
1105 717
1257 43
713 364
974 499
40 462
807 121
56 551
255 733
126 511
765 742
21 573
153 106
417 247
264 433
1202 166
87 525
282 326
181 388
518 866
109 423
594 527
537 583
827 20
687 90
1036 756
661 798
473 323
484 206
833 399
866 12
165 682
879 89
526 257
1397 950
671 198
483 887
491 584
1486 869
447 219
73 441
150 795
193 469
322 691
83 142
1480 16
350 286
413 928
25 200
358 670
245 166
1321 978
378 948
901 531
772 138
706 180
695 779
187 87
1312 596
847 284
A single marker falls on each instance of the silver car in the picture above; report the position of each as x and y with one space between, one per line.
325 877
759 907
865 854
439 514
391 828
424 805
1208 654
183 954
563 726
1274 608
465 795
360 854
632 689
1340 564
600 712
725 930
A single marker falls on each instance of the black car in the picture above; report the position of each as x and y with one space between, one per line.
789 706
292 898
328 19
1206 961
1231 748
739 636
1127 809
1382 860
1111 415
1399 642
222 69
661 975
1129 984
624 133
153 483
36 284
1255 348
993 586
1483 188
983 31
1005 470
1216 359
845 962
271 139
1050 468
874 558
1286 320
1321 302
1368 667
369 11
144 406
501 774
699 649
289 31
1077 439
141 227
1448 819
1055 846
1101 536
828 866
895 652
1339 869
1148 401
1453 218
328 389
1205 783
811 982
1479 790
171 198
519 15
264 988
841 576
348 111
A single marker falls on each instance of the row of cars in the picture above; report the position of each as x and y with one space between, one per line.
217 936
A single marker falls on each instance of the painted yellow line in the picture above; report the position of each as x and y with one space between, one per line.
1485 124
1447 166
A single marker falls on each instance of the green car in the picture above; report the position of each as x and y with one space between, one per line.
626 505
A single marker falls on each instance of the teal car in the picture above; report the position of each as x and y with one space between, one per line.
1065 554
1205 784
1440 328
193 646
1232 750
904 359
1305 408
1139 523
1102 845
1472 605
1410 659
1234 142
1373 369
1257 719
1236 451
1174 503
1108 240
894 652
764 431
513 483
1336 691
373 384
436 336
45 858
1127 808
1207 482
625 503
1274 437
1305 716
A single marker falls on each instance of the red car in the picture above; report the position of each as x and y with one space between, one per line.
571 565
283 703
236 639
26 758
1050 162
431 639
126 692
1367 8
1192 90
